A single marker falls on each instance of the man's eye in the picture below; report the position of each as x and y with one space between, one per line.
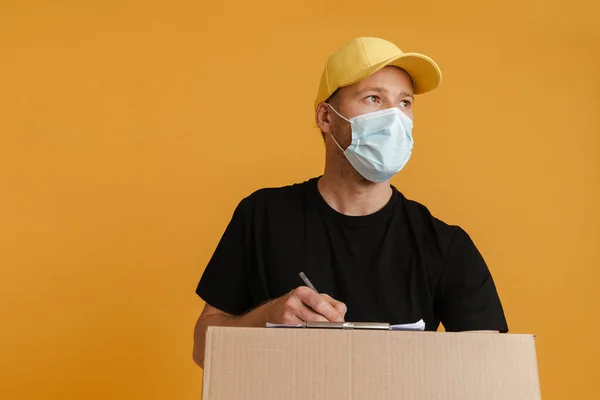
405 103
373 98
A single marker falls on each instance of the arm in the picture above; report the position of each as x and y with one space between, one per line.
212 316
299 305
467 298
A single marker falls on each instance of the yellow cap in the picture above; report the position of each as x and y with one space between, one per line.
363 56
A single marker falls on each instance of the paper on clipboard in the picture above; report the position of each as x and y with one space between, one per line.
415 326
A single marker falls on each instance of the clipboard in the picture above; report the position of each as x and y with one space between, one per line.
382 326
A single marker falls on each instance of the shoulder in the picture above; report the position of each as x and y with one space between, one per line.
274 198
450 242
420 214
428 229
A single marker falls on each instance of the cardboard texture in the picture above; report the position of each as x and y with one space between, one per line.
260 363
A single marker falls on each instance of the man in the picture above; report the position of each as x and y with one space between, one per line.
372 254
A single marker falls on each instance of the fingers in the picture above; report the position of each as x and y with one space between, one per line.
304 304
319 303
296 312
338 305
307 314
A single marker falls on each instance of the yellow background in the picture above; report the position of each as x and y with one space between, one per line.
130 130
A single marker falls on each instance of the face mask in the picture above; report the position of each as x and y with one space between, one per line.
381 143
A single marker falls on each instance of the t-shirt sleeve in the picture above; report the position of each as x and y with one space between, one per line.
468 299
224 283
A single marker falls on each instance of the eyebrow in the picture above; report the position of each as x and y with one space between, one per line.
380 89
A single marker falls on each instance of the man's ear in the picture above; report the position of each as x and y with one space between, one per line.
323 117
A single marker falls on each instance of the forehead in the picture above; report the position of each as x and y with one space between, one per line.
393 79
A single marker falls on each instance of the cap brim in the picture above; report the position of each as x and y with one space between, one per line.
424 72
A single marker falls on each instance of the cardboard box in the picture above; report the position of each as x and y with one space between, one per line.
261 363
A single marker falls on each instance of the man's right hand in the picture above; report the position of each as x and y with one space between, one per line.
304 304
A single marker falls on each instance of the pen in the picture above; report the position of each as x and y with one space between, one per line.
307 282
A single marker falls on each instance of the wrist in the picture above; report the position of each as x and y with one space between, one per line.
265 312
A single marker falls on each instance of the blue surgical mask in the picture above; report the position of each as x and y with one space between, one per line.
381 145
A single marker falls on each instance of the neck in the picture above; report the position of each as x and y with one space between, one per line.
353 195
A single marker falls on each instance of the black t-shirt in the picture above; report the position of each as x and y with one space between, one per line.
397 265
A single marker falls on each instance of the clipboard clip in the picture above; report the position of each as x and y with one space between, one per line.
349 325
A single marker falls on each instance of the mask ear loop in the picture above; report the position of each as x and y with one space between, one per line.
341 116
